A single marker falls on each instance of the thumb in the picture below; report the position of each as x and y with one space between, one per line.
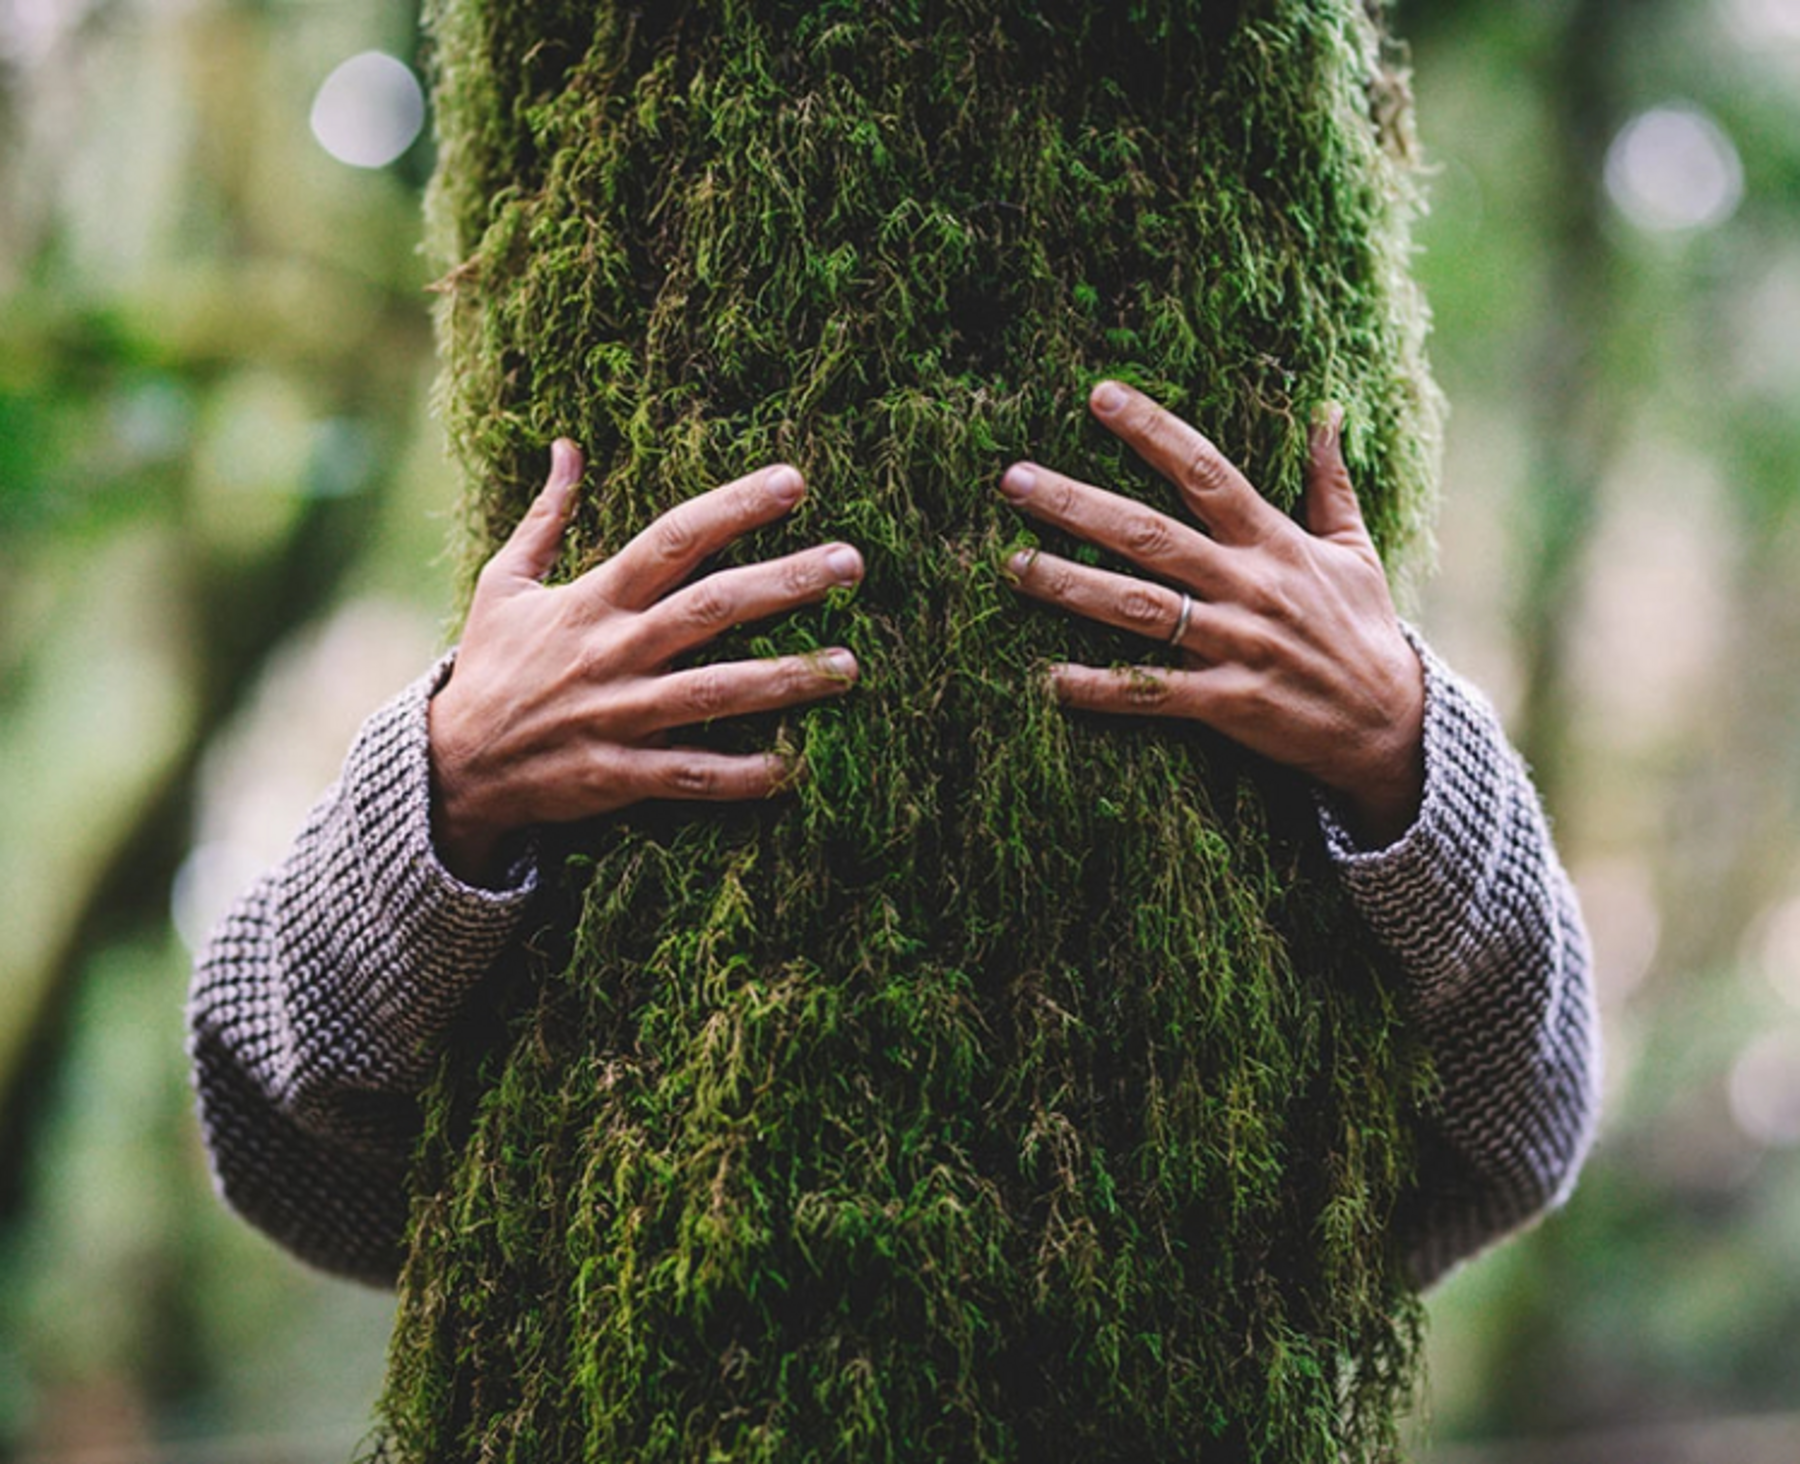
533 545
1332 511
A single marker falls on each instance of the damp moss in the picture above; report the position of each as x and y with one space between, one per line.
1022 1087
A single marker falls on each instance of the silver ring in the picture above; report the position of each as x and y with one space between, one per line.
1181 620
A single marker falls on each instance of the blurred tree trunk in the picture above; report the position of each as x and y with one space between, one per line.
1579 408
1022 1088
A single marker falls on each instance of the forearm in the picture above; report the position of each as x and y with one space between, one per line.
1484 924
320 998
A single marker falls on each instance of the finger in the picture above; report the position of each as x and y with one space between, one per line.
1128 528
672 547
531 549
1220 496
707 608
631 774
1332 510
1152 611
1133 690
1229 699
732 689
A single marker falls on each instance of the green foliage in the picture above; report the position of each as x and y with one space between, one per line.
1022 1087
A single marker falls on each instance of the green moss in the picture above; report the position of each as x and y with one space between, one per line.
1022 1088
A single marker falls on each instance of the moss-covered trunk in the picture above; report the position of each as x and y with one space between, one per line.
1021 1088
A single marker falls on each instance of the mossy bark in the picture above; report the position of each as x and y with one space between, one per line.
1022 1087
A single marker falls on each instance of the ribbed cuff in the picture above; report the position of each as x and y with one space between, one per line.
1417 893
411 938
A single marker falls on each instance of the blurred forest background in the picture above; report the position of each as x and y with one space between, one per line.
223 512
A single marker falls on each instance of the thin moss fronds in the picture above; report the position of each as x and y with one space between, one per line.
1022 1088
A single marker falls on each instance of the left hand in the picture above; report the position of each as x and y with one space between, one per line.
1289 637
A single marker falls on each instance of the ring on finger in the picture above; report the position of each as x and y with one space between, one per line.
1181 619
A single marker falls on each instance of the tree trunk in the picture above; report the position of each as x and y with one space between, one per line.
1022 1087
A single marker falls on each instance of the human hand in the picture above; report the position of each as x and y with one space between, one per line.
561 699
1290 642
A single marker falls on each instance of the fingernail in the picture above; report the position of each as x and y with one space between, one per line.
1018 482
1020 563
784 485
565 463
1108 397
840 663
844 563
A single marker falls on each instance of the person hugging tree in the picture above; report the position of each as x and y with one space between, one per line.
772 995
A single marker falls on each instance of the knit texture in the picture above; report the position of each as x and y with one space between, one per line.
322 995
1484 924
318 1000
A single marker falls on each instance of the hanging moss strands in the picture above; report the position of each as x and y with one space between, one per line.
1021 1087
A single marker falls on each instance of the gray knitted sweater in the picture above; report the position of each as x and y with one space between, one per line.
320 997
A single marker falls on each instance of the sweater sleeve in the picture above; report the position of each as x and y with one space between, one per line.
320 996
1477 909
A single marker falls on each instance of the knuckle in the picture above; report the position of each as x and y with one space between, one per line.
1287 607
604 780
596 649
750 503
709 606
692 780
1144 690
591 664
594 660
802 576
1266 612
675 537
1057 578
708 693
1250 700
1143 606
1286 546
1148 535
1203 468
1256 651
1265 596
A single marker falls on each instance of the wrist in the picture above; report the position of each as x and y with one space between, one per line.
1381 810
466 838
1384 800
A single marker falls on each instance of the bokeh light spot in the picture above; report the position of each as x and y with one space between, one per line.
369 110
1673 169
1765 1089
1760 21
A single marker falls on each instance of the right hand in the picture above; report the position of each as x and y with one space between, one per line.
561 699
